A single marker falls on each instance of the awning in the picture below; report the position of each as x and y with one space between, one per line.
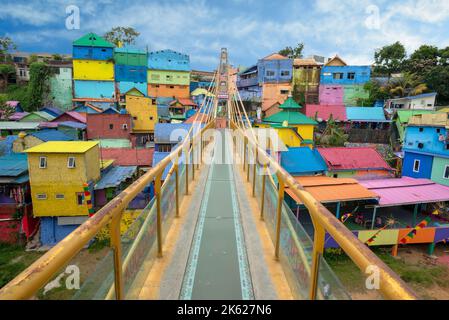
330 190
407 191
115 176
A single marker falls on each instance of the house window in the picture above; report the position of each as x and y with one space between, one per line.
351 75
135 118
59 196
335 175
71 162
270 73
446 172
438 130
338 75
284 91
285 73
416 165
41 196
153 101
42 162
80 198
111 126
421 129
151 118
172 87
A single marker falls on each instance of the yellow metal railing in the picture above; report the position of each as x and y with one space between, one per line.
391 286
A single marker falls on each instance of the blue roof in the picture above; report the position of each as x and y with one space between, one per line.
302 161
52 111
13 165
51 135
168 60
6 145
163 101
163 111
115 176
369 114
171 132
111 110
73 124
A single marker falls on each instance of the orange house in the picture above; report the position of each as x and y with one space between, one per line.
168 90
274 92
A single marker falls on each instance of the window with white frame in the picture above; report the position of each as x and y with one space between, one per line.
446 172
71 162
416 165
42 162
59 196
41 196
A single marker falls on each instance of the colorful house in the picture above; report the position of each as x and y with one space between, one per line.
16 210
58 171
61 84
424 101
168 74
25 141
426 147
131 69
179 107
359 163
303 161
167 135
294 128
109 126
37 116
306 79
248 84
143 111
402 118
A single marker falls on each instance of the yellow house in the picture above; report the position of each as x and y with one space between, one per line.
294 128
93 70
58 171
143 111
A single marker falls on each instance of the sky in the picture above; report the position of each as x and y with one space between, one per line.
250 29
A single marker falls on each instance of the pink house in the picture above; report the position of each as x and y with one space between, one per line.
331 94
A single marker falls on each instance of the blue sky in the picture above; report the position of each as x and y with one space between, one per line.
250 29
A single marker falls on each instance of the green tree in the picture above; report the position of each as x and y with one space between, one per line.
390 59
38 85
293 53
122 35
5 110
333 135
298 96
5 71
423 60
408 85
438 80
32 59
6 45
57 57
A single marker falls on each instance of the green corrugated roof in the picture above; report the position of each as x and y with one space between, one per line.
290 104
405 115
92 40
292 117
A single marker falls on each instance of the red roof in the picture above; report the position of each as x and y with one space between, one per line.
184 102
324 112
129 157
362 158
71 114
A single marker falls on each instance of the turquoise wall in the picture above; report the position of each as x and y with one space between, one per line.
439 166
60 94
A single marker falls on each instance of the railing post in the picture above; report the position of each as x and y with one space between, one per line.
177 186
262 198
187 172
279 213
116 246
254 172
157 191
248 160
318 249
193 162
244 153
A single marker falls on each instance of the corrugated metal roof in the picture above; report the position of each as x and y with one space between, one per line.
406 191
92 40
302 160
41 114
115 176
52 111
14 125
51 135
75 115
362 158
324 112
420 96
63 147
290 103
18 115
130 50
13 165
326 189
369 114
73 124
292 117
6 145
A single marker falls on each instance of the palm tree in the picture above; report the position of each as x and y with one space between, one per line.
333 135
408 85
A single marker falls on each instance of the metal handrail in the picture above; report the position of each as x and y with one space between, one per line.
391 286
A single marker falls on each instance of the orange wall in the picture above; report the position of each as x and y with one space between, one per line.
165 91
271 93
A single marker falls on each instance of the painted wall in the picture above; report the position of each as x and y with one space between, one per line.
426 140
130 73
307 81
169 77
274 92
94 89
143 113
93 70
51 233
425 167
168 60
125 86
362 74
108 126
439 169
92 53
331 94
61 89
425 103
29 141
169 91
275 71
361 174
130 58
352 93
57 178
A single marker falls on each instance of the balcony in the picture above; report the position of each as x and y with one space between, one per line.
250 82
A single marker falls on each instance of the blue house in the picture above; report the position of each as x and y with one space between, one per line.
248 84
275 68
303 161
130 73
417 165
345 75
168 60
92 47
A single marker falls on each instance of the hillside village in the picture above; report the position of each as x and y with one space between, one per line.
382 169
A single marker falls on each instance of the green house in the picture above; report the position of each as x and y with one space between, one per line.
130 57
